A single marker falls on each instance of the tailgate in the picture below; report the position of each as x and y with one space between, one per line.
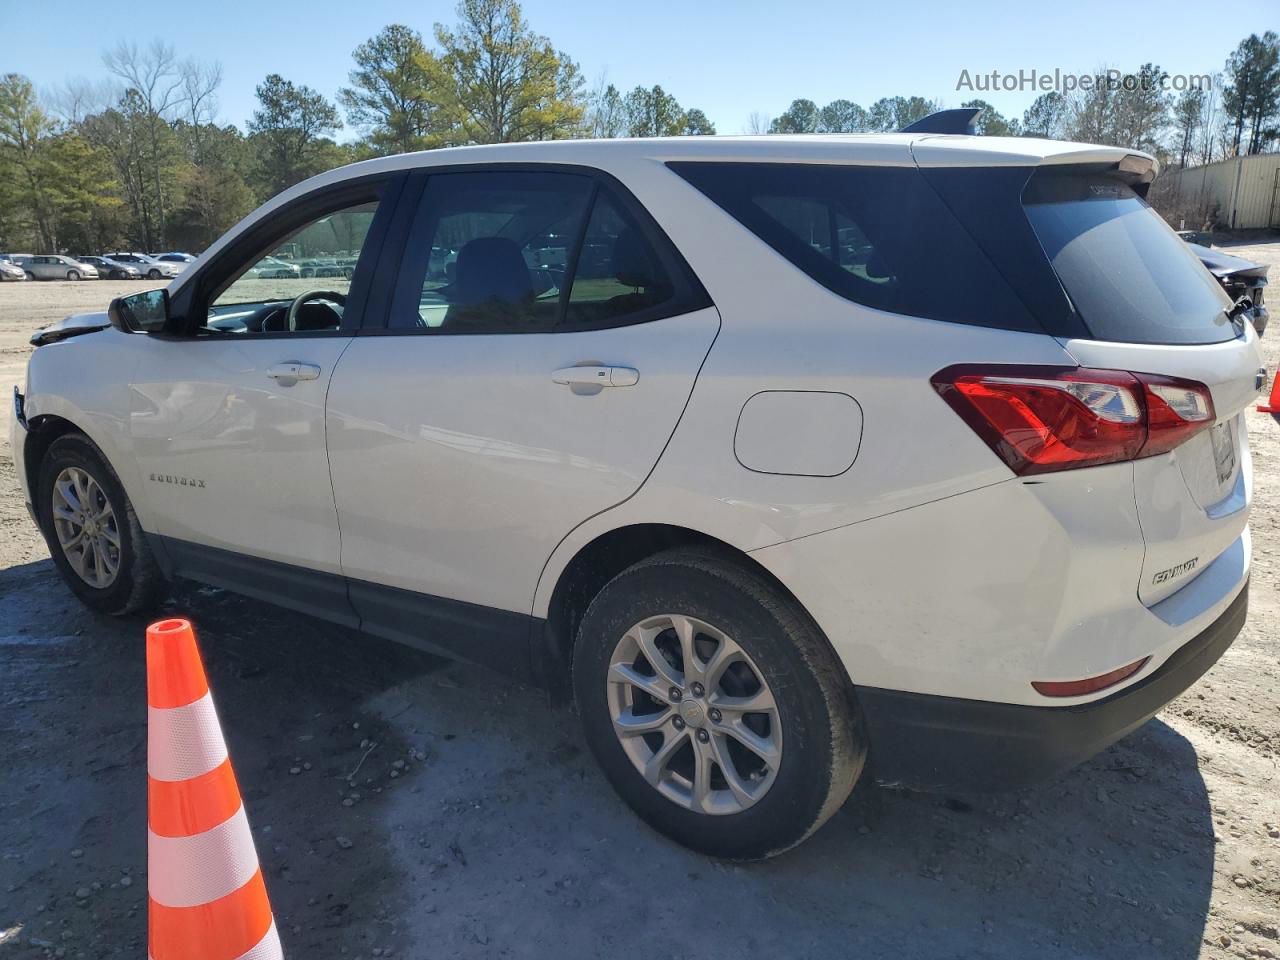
1193 502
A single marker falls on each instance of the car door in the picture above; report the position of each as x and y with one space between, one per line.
227 416
542 342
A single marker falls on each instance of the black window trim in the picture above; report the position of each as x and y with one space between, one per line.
688 295
192 303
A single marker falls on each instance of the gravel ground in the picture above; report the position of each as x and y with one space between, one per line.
409 807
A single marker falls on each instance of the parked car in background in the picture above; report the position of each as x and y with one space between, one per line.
180 260
112 269
149 267
960 498
11 271
1239 278
54 266
273 268
324 267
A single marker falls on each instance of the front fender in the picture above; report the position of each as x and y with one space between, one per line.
85 382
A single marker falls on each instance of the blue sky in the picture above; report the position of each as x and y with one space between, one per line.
727 58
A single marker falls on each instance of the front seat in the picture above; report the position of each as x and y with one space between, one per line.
491 287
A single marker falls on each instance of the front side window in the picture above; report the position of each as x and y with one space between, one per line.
533 252
301 283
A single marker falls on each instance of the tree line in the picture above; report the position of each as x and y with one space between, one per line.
1237 111
140 159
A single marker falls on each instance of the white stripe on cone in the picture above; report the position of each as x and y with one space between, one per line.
184 742
190 871
268 948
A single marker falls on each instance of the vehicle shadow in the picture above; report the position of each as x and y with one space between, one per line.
506 840
1112 860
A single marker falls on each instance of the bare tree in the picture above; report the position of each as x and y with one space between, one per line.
200 82
758 123
79 97
155 77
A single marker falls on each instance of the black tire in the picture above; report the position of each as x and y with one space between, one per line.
824 748
30 275
73 275
153 274
139 585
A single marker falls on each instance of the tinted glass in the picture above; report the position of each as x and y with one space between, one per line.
618 272
879 236
1131 278
497 248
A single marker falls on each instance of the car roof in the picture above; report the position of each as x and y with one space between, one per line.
877 149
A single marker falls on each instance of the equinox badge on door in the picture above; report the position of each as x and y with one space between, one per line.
179 481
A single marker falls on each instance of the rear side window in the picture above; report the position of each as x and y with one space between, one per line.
618 272
532 251
1130 277
879 236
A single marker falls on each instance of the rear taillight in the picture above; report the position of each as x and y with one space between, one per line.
1042 419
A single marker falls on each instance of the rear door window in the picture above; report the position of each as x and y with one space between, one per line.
1130 277
879 236
534 251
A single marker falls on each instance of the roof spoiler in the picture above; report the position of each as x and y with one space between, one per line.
960 120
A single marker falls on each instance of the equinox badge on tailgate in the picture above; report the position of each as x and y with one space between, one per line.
1166 575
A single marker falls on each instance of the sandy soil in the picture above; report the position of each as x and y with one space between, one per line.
477 825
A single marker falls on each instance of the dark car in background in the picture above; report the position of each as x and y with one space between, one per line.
1239 278
111 269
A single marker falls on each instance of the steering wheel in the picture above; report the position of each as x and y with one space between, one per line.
291 318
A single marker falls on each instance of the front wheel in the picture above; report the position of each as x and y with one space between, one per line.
30 275
92 531
73 274
715 706
153 274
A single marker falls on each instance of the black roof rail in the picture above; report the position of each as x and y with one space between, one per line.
959 120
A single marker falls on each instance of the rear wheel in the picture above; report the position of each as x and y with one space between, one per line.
92 531
714 705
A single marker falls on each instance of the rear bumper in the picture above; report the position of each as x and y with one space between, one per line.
938 743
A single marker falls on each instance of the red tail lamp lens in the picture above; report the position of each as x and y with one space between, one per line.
1043 419
1078 688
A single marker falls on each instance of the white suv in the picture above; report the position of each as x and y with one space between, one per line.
782 455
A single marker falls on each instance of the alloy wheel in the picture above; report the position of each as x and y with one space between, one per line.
694 714
86 526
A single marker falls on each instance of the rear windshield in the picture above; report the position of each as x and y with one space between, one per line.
1129 276
880 236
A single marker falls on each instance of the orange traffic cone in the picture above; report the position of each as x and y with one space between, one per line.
1273 405
207 899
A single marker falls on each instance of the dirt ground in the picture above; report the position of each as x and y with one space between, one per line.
479 827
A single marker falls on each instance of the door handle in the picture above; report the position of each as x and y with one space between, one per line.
293 370
597 376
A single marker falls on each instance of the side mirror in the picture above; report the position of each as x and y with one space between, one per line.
140 313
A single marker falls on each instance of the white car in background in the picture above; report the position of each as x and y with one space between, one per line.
11 271
55 267
914 450
147 266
